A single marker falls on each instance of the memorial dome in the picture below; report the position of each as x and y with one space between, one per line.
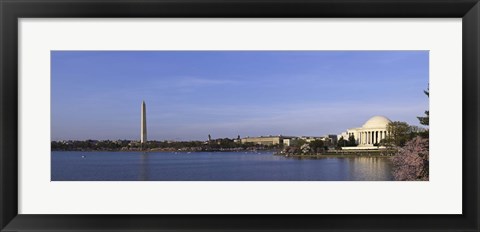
376 122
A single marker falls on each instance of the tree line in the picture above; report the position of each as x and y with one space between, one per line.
126 145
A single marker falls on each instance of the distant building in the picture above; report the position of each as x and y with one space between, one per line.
370 134
266 140
329 140
287 141
333 139
310 138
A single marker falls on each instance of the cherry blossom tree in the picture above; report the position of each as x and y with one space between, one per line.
412 160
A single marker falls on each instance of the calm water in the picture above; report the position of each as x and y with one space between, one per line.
212 166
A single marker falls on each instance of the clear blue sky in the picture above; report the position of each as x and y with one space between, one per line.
190 94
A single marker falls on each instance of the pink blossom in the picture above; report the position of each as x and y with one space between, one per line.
411 161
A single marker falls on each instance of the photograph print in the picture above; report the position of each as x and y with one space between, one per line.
240 115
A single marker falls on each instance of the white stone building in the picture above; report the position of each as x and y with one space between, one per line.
370 134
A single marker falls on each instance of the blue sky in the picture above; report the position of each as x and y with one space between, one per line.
190 94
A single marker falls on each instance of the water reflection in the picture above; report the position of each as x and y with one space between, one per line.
364 168
144 171
215 166
354 168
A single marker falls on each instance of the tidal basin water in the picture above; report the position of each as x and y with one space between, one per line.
213 166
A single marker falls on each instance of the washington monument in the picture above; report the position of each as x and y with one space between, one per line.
143 127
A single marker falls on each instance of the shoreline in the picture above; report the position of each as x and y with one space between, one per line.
338 156
239 151
328 155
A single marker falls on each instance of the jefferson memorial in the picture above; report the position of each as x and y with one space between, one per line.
370 134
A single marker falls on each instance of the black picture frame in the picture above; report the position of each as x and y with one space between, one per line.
12 10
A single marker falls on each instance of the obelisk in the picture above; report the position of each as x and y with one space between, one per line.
143 127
